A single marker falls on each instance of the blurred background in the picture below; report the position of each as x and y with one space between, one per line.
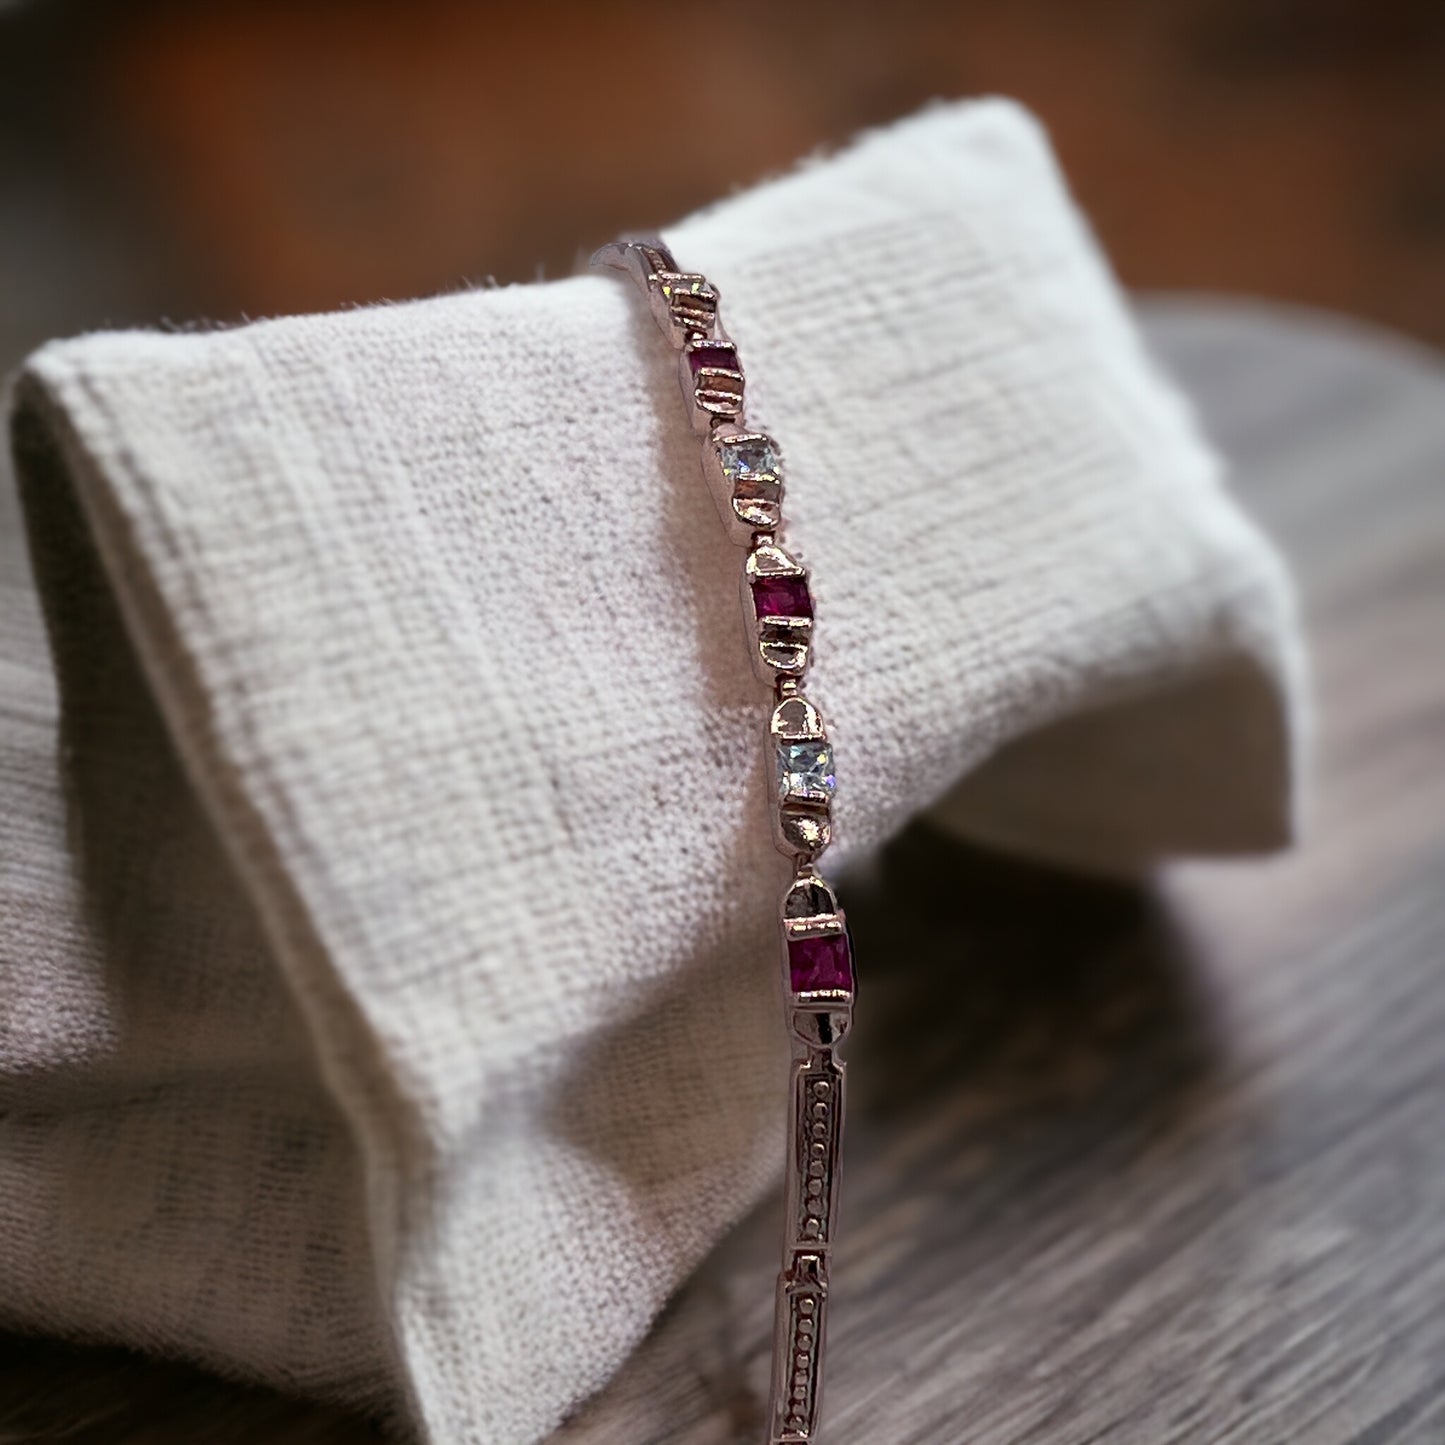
185 161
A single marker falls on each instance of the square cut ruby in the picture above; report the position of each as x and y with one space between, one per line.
720 354
782 597
820 963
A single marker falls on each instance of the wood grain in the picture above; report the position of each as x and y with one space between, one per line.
1124 1165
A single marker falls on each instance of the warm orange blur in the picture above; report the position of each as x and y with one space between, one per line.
299 156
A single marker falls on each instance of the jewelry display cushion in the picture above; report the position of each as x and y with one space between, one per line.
389 1004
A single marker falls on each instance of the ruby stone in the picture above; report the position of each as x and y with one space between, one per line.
782 597
717 354
820 963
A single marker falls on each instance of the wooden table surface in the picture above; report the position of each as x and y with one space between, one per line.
1123 1166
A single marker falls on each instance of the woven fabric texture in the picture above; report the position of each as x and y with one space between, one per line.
388 969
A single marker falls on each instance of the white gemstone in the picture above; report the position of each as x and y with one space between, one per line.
806 768
751 460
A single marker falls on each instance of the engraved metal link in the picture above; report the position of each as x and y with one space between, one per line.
742 468
815 1130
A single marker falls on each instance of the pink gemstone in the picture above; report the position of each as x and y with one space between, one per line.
820 963
782 597
713 353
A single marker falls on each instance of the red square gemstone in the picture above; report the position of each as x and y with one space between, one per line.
824 962
722 354
782 597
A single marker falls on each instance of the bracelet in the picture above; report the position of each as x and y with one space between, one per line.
743 471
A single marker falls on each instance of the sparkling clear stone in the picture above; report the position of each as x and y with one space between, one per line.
806 767
750 460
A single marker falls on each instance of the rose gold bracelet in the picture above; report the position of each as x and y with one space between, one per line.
743 471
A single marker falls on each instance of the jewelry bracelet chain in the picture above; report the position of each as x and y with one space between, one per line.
743 470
